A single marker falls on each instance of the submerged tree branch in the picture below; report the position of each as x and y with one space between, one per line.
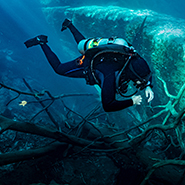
26 127
162 163
104 143
18 156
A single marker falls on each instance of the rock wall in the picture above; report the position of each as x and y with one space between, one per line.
162 42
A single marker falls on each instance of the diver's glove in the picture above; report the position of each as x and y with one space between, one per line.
137 100
149 93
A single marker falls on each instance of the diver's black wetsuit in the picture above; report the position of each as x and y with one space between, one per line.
105 73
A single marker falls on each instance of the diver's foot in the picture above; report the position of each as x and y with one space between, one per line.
40 39
65 24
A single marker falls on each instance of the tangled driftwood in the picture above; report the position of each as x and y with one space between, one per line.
105 142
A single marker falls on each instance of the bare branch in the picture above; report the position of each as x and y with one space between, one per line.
18 156
162 163
21 92
13 99
26 127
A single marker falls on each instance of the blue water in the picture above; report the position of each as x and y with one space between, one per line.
23 19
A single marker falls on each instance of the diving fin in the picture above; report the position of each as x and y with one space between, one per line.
65 24
41 39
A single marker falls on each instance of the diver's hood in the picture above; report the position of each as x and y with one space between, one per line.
139 69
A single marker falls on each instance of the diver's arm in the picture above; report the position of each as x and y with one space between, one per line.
108 96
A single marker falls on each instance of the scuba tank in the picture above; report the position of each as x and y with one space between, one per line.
86 44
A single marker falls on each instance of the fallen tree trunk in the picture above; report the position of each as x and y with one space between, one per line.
18 156
168 173
8 124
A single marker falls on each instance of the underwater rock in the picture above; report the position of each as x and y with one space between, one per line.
162 42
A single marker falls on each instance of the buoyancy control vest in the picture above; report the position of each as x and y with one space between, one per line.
114 52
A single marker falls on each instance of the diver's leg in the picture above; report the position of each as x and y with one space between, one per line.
70 69
73 68
76 33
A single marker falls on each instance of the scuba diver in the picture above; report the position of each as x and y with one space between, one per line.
110 63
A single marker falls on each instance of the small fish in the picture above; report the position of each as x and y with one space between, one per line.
23 103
